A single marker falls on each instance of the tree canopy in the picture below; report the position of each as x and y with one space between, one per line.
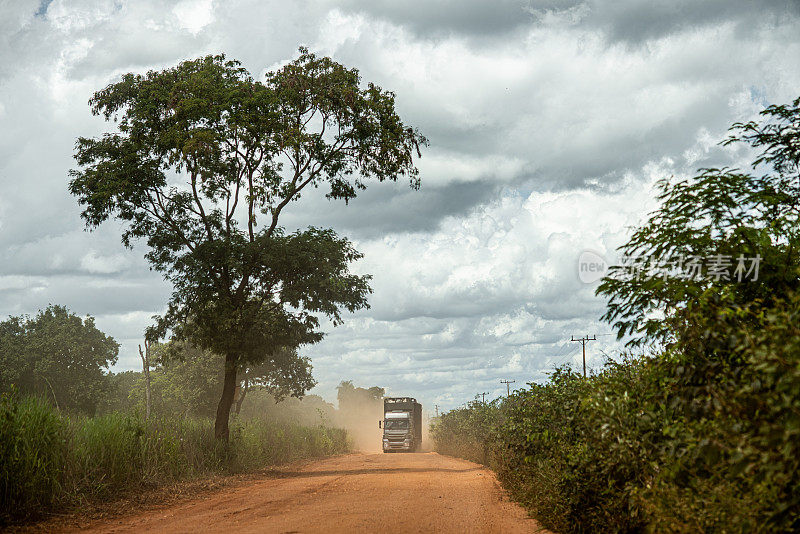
351 397
56 355
203 163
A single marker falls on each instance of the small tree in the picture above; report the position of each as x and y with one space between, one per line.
58 356
201 152
282 373
145 356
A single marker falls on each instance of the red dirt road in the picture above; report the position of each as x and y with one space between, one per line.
354 493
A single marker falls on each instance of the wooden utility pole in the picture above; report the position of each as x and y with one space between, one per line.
436 407
146 369
583 341
508 389
483 397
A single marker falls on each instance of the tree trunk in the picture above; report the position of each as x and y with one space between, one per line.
146 369
225 403
242 393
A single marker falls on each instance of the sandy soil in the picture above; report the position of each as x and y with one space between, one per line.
354 493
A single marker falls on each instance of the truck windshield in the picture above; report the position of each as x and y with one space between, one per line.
396 424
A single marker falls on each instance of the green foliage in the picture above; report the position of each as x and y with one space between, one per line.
352 398
48 460
719 212
702 437
188 381
546 431
549 450
284 373
58 356
728 390
107 453
243 150
32 451
119 395
464 432
259 442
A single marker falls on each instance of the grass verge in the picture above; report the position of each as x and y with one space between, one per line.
50 461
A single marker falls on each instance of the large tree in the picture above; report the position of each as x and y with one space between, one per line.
203 163
58 356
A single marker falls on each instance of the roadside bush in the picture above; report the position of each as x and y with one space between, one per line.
704 437
731 460
464 432
553 454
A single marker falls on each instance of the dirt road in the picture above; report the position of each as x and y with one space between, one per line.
354 493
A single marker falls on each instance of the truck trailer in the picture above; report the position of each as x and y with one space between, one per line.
402 424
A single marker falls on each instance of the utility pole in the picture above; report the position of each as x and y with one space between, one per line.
436 407
583 341
483 397
508 389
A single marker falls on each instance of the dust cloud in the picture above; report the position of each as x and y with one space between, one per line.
427 443
363 427
359 412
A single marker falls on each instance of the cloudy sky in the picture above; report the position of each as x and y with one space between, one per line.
548 120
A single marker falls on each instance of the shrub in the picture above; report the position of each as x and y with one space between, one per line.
464 432
704 436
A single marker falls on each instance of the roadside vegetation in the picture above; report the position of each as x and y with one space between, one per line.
73 433
701 431
50 461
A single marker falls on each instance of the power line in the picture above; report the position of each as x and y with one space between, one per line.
583 341
508 389
566 350
565 355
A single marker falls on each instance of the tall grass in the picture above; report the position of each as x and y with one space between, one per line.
50 461
32 451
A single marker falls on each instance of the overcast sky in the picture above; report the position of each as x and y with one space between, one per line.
548 123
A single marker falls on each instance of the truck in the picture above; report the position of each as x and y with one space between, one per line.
402 424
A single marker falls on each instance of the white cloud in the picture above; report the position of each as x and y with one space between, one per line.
194 15
96 264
